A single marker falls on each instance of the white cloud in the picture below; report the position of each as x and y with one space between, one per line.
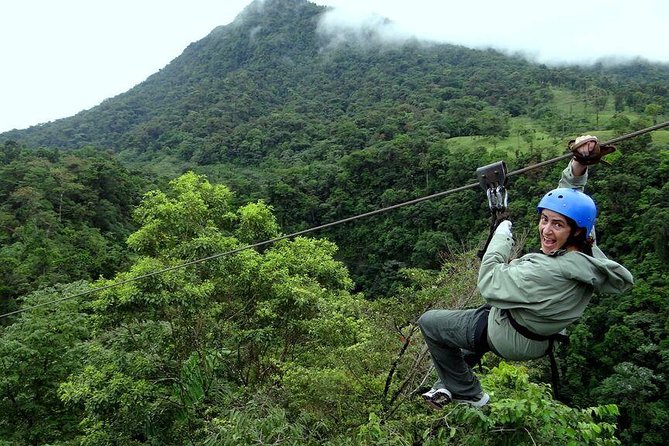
340 26
568 31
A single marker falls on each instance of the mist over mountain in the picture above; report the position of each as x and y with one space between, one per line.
290 104
289 56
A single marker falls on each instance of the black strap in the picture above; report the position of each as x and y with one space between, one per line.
498 216
481 347
481 330
555 373
529 334
482 251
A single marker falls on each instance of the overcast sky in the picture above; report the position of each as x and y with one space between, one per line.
63 56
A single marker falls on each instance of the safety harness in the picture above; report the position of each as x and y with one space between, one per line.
493 180
557 337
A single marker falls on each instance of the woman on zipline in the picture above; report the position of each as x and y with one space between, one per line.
531 299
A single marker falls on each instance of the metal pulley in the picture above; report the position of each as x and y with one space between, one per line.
493 181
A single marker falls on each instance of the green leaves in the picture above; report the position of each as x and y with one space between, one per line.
38 352
190 207
170 347
256 224
521 412
62 217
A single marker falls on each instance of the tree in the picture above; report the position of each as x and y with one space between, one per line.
40 350
653 110
63 217
175 345
597 97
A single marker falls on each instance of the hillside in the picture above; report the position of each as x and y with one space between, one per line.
276 98
276 59
272 60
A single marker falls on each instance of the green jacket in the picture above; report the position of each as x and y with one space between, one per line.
544 293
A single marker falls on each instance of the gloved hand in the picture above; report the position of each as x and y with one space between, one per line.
587 150
504 228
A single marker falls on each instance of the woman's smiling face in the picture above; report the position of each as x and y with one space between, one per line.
554 230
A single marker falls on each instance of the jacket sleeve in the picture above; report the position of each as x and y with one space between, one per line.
606 276
567 179
572 182
510 285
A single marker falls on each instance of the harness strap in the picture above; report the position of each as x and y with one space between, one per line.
555 373
529 334
481 347
481 330
497 216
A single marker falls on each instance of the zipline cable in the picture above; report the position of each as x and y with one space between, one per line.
326 225
243 248
605 143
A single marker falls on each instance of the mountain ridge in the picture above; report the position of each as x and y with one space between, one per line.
276 58
129 104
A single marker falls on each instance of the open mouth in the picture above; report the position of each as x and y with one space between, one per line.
549 244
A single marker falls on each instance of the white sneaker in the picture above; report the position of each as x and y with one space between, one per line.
479 400
437 398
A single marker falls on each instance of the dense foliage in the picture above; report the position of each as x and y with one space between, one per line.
64 217
313 340
255 347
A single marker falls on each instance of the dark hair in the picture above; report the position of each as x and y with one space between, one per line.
578 239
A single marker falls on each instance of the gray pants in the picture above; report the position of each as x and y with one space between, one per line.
447 333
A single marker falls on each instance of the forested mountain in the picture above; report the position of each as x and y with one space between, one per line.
282 107
273 61
277 69
65 216
282 121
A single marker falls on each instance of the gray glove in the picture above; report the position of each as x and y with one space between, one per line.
504 228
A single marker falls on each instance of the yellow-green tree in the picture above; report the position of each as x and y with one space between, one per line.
172 349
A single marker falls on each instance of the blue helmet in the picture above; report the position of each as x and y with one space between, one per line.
571 203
